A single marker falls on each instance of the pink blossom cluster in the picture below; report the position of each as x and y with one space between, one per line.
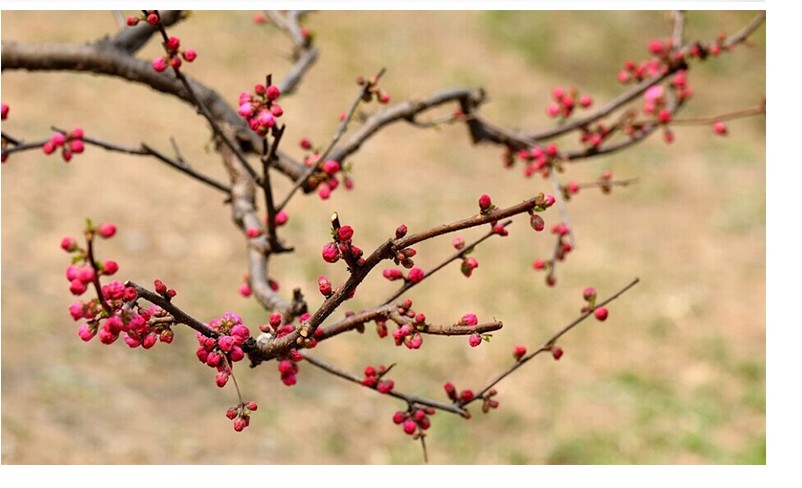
222 351
565 101
330 172
259 108
539 159
374 379
342 247
464 396
288 365
120 315
415 420
70 142
415 275
241 415
172 56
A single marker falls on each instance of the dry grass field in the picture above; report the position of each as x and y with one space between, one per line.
676 375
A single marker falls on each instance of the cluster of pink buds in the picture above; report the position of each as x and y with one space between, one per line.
594 136
326 179
149 16
565 101
115 311
260 108
241 415
415 275
589 294
539 159
288 368
470 320
374 379
463 397
636 72
468 263
372 90
343 247
173 54
408 332
70 142
414 421
222 351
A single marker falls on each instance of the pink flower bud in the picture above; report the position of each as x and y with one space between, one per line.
656 47
458 243
345 233
175 62
518 352
305 144
86 333
272 92
474 340
69 244
331 167
245 110
585 101
221 379
484 202
245 290
236 354
153 19
189 55
107 230
719 128
469 319
110 267
149 341
266 119
410 427
281 218
253 232
601 314
172 43
86 274
226 343
537 223
466 395
324 286
48 147
553 109
415 275
653 94
664 116
240 423
77 146
276 110
3 111
399 417
556 352
331 254
159 64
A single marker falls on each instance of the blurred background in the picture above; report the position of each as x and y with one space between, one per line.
676 375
